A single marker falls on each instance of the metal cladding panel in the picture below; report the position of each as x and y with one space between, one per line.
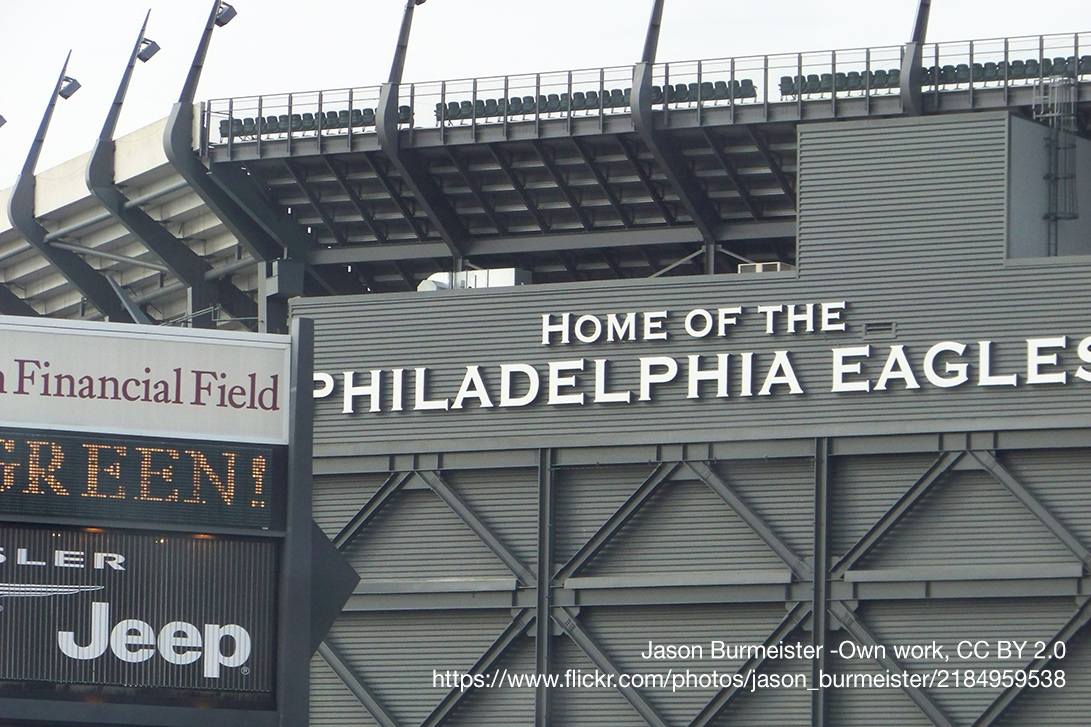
863 488
595 706
505 500
137 610
417 536
781 492
1064 706
781 706
625 633
331 701
684 527
1059 480
585 499
968 518
501 707
395 654
902 220
947 622
865 706
337 499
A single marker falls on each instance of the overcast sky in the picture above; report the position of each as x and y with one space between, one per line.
276 46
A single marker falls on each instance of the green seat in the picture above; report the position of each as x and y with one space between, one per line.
893 78
681 93
343 119
693 91
579 100
990 72
1033 68
879 79
853 81
492 109
225 128
529 105
840 82
553 103
592 99
356 117
708 92
617 98
788 86
296 122
368 117
1085 65
515 105
814 83
720 91
331 120
270 125
466 110
405 115
747 89
962 73
826 82
308 122
977 73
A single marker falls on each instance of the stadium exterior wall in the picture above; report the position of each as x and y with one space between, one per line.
886 447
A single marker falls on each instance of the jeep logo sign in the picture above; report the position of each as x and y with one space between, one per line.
137 610
134 641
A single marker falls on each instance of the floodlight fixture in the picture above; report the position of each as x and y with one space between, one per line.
70 86
148 48
420 2
225 14
3 121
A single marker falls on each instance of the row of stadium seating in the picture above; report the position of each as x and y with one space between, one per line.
493 108
593 101
937 75
790 86
357 118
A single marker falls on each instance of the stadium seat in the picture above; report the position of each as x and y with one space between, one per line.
840 82
747 89
657 95
1047 66
369 117
356 118
466 110
225 128
529 105
270 125
977 73
344 119
826 83
1085 65
991 72
720 90
553 103
492 108
592 99
1033 68
879 80
788 86
681 93
479 109
330 122
308 122
894 78
405 115
708 92
947 75
296 122
579 101
962 73
814 83
515 105
617 98
853 81
928 76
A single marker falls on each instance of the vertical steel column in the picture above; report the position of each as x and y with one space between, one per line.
293 632
543 661
820 618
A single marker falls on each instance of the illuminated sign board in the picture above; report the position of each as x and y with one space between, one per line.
137 611
94 477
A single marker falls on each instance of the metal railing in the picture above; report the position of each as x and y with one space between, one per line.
963 66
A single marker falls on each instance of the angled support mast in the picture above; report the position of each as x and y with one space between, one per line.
409 167
183 263
912 75
667 155
91 283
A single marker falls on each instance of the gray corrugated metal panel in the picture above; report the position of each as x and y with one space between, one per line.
585 497
781 491
1065 706
1058 479
863 488
968 518
332 704
684 527
624 634
775 706
590 707
395 654
863 706
417 536
337 499
947 622
506 500
501 707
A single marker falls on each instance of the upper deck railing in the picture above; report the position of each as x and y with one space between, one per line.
770 79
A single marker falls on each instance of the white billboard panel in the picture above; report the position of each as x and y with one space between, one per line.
126 379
